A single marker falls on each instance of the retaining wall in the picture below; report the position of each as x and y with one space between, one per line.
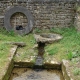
46 13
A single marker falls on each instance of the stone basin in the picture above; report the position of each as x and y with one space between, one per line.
30 74
47 37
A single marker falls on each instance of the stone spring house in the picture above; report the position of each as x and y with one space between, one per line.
44 13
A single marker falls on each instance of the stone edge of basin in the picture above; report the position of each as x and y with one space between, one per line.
52 65
10 65
39 38
65 70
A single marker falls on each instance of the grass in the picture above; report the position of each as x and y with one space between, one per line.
61 50
12 37
70 55
67 48
52 51
68 45
78 9
4 51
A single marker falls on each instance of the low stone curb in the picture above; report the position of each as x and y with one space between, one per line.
53 65
65 70
10 64
47 65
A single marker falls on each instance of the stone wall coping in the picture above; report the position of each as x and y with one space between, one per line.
43 0
65 70
46 0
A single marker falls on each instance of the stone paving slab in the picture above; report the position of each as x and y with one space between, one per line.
6 67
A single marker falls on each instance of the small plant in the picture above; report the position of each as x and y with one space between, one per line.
56 30
33 41
37 30
76 71
11 33
70 55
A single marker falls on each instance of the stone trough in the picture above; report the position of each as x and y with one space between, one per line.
24 70
27 70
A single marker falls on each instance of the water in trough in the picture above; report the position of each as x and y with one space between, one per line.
31 74
38 72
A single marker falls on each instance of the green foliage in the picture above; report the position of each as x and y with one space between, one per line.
37 30
70 55
69 43
11 33
5 32
56 30
33 41
4 50
52 51
76 71
76 54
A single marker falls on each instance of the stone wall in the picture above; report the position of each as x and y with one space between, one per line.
77 17
47 13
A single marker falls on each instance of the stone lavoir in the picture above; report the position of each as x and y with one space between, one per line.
23 16
45 14
39 71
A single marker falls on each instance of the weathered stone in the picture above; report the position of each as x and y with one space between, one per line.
6 70
77 21
20 44
14 10
47 37
65 70
50 10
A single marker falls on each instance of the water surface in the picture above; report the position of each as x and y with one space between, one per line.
30 74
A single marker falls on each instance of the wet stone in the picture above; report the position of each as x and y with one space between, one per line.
39 61
34 76
30 74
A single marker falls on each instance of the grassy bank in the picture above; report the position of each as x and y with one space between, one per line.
66 48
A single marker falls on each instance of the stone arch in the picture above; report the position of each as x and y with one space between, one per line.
23 10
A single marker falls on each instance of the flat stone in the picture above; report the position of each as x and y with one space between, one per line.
21 44
39 61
